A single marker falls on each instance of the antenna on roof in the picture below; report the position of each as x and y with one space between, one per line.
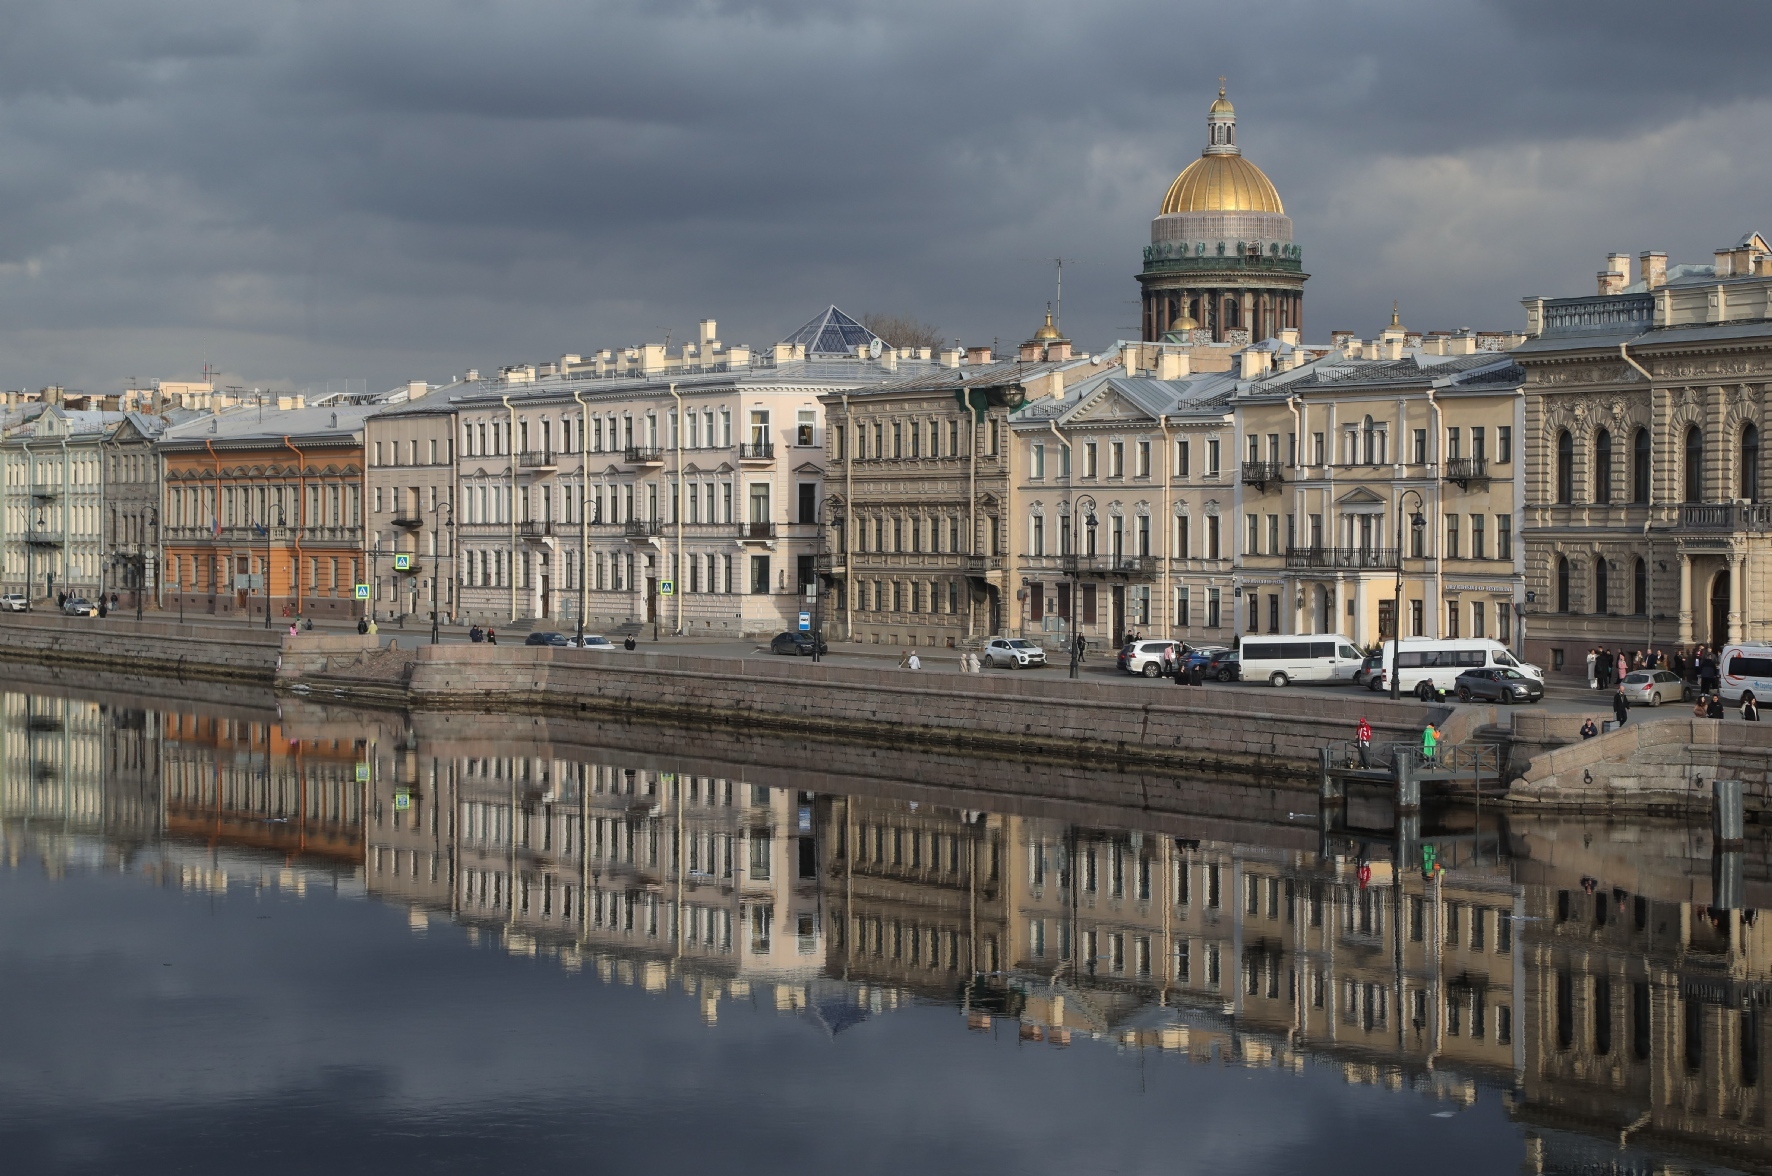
1058 305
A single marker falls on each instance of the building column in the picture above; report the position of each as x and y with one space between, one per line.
1685 616
1359 626
1736 588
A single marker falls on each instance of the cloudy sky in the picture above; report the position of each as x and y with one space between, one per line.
294 192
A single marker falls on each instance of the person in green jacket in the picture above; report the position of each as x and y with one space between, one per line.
1430 743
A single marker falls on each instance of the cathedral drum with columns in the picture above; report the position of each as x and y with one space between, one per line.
1221 266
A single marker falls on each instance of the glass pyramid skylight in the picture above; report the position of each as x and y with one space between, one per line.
832 333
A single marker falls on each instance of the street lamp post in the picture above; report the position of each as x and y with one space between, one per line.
449 528
282 520
1416 520
1084 508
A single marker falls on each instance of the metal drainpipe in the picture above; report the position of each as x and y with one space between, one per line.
1436 520
1648 561
677 572
67 493
215 526
848 526
301 497
584 520
1298 419
511 457
1070 495
971 498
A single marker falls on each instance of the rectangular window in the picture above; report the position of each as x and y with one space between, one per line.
1478 620
1181 608
1478 441
1181 456
1504 537
1477 539
1273 534
1212 608
1088 603
1451 536
1037 466
1143 469
1421 447
1452 618
1415 618
1212 458
1117 459
1211 536
1318 455
1088 459
1504 445
1252 539
1504 622
1452 453
1182 547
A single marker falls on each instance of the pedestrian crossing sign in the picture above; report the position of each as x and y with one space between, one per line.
403 562
362 592
667 587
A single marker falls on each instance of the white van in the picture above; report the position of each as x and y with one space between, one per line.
1430 664
1302 657
1746 669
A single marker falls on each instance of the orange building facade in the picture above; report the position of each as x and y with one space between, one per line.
263 511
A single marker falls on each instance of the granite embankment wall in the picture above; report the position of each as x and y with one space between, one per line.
122 644
1026 715
1664 764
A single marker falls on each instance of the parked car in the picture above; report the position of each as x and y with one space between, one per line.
1145 657
1652 687
1226 666
79 606
1202 655
1371 672
592 641
1013 652
1500 684
796 644
558 640
14 602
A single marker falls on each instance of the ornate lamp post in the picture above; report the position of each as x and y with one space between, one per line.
1415 520
282 521
448 529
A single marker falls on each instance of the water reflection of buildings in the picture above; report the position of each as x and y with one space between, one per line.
1603 998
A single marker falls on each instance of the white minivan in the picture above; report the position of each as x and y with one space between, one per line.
1746 669
1426 665
1301 657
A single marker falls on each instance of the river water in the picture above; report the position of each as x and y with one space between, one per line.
238 936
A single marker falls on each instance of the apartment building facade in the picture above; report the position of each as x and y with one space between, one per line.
410 498
1648 524
1380 462
55 534
262 512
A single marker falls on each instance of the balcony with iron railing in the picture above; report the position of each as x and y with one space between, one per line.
1726 516
43 539
756 451
643 455
831 563
642 528
1260 473
1467 471
408 522
1102 565
1341 558
540 460
979 565
534 529
756 532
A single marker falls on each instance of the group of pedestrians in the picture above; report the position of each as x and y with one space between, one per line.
1180 668
1607 668
489 635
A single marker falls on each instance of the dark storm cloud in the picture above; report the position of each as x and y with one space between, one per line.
297 191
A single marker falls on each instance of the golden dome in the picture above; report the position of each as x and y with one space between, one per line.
1222 183
1184 322
1222 106
1047 332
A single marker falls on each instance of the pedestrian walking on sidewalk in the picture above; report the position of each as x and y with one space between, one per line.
492 637
1750 710
1620 706
913 662
1588 729
1430 743
1592 682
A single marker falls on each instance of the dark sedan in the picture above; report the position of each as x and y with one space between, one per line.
560 640
1498 684
796 643
1225 666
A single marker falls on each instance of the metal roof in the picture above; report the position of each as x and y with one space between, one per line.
832 333
252 424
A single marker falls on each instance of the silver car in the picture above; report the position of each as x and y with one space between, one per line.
1013 652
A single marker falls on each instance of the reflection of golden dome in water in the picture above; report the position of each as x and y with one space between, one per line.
1221 180
1048 332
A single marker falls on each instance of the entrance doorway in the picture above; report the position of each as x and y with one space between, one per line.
1117 611
1387 620
1719 610
242 581
651 599
547 599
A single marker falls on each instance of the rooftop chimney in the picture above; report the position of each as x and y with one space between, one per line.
978 355
1173 365
949 357
1652 269
708 331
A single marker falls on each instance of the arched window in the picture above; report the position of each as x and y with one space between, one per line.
1750 463
1603 468
1694 464
1562 584
1600 585
1366 431
1232 314
1565 468
1639 595
1639 467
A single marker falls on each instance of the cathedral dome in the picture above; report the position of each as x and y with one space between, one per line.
1222 183
1221 180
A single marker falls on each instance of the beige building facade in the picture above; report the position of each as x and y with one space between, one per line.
1647 522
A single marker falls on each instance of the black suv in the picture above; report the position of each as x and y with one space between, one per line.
556 639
